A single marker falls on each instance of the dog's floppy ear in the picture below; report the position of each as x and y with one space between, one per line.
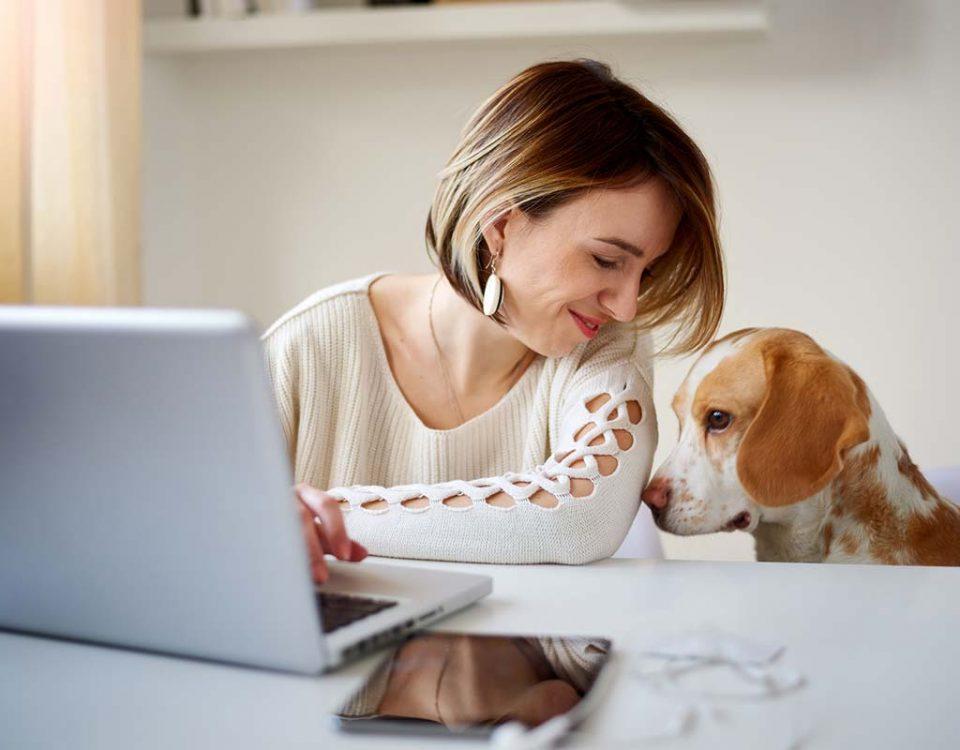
814 409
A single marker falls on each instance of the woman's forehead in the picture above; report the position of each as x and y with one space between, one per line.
644 216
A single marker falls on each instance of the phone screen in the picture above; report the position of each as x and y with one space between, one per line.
468 684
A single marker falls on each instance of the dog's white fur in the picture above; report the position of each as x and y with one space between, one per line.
889 515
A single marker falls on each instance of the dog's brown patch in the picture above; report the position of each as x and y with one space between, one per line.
848 543
909 469
859 491
934 538
827 538
930 537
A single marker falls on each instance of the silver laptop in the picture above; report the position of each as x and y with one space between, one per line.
146 499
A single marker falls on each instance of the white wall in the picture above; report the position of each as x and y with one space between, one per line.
833 139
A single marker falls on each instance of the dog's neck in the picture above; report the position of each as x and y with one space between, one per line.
793 533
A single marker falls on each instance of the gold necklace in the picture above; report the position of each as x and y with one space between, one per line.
451 393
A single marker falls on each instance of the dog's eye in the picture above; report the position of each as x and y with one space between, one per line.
718 421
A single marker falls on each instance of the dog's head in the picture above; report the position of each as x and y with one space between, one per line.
765 417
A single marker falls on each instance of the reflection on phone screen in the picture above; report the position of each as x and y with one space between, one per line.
465 683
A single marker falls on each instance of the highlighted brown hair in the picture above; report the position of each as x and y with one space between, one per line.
555 131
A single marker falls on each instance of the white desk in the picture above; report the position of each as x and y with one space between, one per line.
880 648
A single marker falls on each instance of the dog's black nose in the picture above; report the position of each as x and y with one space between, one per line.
741 520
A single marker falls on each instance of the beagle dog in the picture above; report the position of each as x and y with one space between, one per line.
781 439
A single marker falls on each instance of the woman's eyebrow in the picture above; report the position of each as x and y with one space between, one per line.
622 244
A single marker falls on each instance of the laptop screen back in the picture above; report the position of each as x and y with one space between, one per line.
145 490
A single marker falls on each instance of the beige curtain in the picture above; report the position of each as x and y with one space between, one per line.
70 151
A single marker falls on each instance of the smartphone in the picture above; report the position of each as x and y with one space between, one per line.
464 684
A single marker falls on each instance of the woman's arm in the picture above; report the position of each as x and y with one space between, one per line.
575 508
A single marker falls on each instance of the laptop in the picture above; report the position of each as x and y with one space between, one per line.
146 499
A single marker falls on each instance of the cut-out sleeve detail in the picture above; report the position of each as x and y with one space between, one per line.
587 491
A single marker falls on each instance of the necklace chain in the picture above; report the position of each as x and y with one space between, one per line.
451 393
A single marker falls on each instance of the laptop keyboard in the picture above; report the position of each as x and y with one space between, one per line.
337 610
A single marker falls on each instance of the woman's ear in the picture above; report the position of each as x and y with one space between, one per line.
815 408
494 224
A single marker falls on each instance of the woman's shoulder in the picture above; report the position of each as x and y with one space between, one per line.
343 299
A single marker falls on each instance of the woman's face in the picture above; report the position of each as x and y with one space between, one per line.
560 277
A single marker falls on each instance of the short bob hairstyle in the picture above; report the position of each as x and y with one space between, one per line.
553 132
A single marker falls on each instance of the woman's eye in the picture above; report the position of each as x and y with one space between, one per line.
604 263
718 421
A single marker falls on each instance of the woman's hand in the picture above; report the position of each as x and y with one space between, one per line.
327 536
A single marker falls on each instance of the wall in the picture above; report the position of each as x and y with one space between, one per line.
833 139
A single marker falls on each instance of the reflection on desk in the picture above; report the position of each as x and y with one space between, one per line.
470 683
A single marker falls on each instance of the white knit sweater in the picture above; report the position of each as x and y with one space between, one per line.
351 432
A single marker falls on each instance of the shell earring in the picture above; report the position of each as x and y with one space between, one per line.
492 292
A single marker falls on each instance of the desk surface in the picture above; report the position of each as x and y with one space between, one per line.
878 646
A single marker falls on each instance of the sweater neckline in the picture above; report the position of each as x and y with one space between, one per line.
394 387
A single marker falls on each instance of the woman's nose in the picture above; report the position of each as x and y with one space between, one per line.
622 301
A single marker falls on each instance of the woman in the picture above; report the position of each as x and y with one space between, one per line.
501 410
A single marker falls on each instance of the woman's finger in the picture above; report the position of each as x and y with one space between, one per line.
333 529
308 496
357 550
318 567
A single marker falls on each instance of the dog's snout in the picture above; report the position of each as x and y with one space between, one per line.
657 494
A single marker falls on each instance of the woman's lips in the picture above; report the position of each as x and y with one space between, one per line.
587 329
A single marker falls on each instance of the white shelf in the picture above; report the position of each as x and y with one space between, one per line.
421 23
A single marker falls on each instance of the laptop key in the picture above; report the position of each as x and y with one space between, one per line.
338 610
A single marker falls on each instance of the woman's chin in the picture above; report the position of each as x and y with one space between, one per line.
553 347
555 350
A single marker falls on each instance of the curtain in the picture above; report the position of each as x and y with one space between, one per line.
70 151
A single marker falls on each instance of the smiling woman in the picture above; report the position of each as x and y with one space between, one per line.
501 410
